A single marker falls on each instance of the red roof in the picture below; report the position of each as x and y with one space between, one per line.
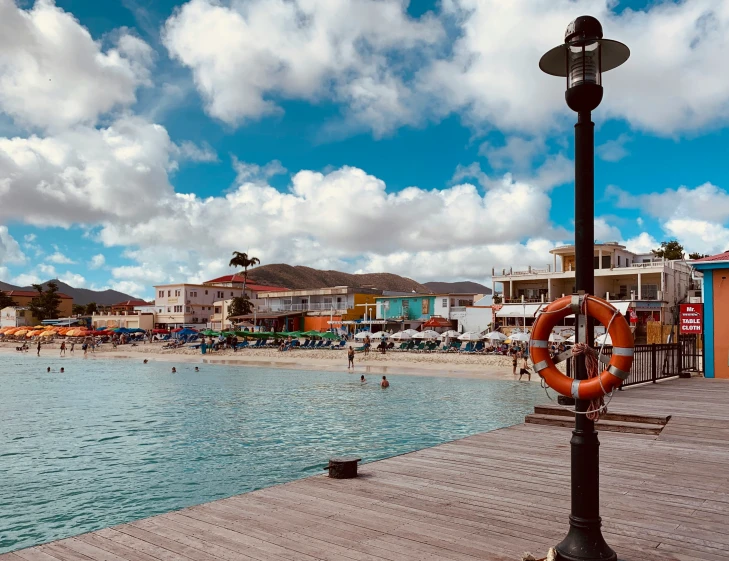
438 322
33 293
720 257
127 303
251 286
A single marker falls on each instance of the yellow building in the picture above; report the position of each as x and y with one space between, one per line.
23 299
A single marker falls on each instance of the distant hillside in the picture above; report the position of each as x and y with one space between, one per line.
305 277
463 287
81 296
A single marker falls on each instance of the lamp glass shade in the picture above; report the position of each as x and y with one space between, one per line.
583 64
612 55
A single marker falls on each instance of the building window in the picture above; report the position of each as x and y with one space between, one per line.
444 303
231 294
618 260
217 309
627 262
206 293
168 309
161 293
169 293
194 320
177 292
220 294
405 307
188 309
178 309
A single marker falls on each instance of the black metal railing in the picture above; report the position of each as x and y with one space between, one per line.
659 361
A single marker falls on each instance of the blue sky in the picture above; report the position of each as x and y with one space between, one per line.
142 141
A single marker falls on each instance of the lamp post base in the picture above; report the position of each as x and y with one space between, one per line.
584 542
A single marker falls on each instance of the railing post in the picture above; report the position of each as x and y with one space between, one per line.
654 363
679 355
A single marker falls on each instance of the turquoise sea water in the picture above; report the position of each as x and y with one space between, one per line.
112 441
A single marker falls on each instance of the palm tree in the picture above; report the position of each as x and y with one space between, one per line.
242 260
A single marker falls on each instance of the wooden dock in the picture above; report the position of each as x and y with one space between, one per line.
491 496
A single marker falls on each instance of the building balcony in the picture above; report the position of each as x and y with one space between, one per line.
313 307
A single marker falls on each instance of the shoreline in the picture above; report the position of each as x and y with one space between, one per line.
482 367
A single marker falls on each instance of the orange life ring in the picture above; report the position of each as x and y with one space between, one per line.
622 358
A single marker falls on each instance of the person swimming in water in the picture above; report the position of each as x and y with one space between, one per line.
145 361
48 369
384 383
197 369
362 379
62 370
174 370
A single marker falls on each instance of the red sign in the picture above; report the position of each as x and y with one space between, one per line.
691 318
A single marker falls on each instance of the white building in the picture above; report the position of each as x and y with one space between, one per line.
16 316
643 286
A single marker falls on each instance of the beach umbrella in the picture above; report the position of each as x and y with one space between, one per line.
470 336
495 336
331 336
427 334
604 339
363 334
311 333
401 336
519 337
380 335
555 338
48 334
451 333
20 333
411 332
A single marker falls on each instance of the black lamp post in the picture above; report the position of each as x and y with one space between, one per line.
582 59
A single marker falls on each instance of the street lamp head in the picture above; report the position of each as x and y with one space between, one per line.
582 59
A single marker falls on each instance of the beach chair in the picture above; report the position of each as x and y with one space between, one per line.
243 345
341 345
327 344
419 348
319 344
468 348
403 346
478 347
455 346
306 344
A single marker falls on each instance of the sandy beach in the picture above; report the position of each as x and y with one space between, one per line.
491 367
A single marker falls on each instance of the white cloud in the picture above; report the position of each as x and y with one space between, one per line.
494 77
698 235
86 175
73 279
26 279
606 232
613 150
49 271
253 172
642 243
194 153
132 288
244 56
97 261
60 259
10 252
52 72
30 238
706 201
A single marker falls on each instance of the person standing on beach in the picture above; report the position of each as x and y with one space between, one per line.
39 345
525 370
350 356
72 346
63 348
384 384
